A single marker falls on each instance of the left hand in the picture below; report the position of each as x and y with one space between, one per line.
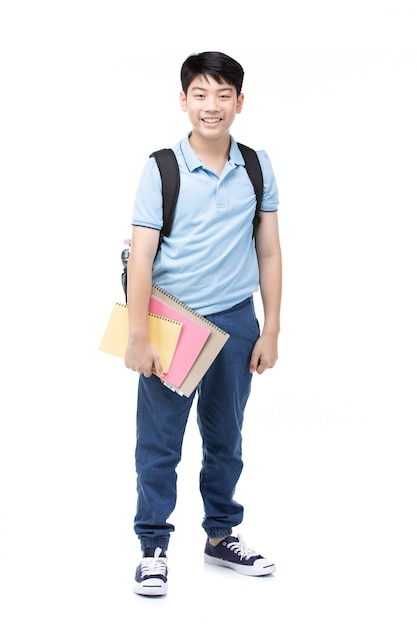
264 354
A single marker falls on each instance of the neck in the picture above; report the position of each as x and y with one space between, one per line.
210 148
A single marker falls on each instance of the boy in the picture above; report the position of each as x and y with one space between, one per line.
211 263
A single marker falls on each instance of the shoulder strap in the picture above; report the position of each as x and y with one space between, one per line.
170 176
253 168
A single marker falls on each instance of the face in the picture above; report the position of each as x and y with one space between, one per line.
211 106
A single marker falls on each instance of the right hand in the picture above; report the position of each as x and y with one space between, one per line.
142 357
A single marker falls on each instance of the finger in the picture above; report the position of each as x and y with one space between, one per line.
254 362
158 367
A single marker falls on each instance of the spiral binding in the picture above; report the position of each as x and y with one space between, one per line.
203 319
163 317
157 315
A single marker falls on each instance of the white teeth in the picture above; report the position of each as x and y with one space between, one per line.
211 120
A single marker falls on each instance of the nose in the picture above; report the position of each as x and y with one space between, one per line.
211 103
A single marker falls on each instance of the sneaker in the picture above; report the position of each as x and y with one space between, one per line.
233 552
151 574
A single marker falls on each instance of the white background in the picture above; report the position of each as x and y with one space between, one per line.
89 89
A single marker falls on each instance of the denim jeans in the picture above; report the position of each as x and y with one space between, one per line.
161 421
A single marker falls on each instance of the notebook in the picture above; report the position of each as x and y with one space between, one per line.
192 339
163 333
187 349
215 341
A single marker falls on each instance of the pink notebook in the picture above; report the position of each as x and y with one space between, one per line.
192 338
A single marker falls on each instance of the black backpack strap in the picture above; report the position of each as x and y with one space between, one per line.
253 168
170 176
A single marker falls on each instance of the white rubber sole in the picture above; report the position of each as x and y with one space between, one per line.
262 567
151 587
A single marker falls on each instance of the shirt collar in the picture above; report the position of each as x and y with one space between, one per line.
193 162
235 155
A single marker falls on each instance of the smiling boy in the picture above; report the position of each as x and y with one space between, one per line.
211 262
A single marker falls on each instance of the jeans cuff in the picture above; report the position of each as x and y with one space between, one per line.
154 542
215 533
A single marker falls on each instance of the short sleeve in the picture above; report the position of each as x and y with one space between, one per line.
270 199
147 207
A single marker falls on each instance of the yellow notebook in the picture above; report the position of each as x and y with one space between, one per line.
163 333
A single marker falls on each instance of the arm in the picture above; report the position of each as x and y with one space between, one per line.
268 248
140 354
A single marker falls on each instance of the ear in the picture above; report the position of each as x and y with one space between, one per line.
239 103
183 101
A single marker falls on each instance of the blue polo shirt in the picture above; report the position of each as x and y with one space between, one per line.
209 260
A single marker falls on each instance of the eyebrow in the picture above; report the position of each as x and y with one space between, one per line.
205 89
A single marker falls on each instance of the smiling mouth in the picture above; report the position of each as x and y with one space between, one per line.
211 120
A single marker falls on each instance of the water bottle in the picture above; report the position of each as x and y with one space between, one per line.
125 257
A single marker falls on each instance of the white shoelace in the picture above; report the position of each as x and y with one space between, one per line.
153 565
240 548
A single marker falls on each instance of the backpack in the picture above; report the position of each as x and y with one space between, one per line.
170 177
168 167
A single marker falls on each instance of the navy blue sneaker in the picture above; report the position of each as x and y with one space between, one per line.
233 552
151 574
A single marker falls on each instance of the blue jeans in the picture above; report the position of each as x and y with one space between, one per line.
161 420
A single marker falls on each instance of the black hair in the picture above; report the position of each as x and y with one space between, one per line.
217 65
